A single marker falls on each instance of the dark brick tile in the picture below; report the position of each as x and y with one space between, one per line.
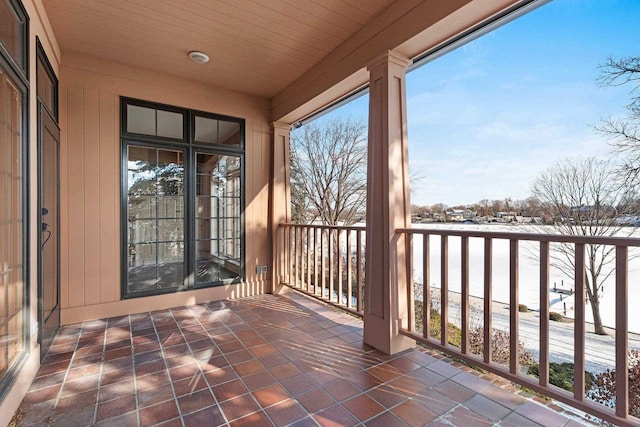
211 416
116 407
155 414
334 417
195 401
286 412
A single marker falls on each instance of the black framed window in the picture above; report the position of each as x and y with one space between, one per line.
47 82
14 278
182 199
14 33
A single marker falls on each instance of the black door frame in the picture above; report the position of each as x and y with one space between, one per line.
47 120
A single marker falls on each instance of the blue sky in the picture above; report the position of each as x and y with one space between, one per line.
487 118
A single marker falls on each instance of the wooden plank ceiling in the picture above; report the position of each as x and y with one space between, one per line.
258 47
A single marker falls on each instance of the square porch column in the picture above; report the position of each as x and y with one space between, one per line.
279 202
388 205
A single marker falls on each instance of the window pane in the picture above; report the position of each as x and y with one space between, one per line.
141 120
206 249
11 28
205 206
212 131
141 165
46 88
170 173
206 130
207 271
229 133
141 231
170 124
170 230
142 207
11 224
207 228
155 219
171 207
217 216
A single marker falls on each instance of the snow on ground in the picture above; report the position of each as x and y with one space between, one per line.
529 274
599 351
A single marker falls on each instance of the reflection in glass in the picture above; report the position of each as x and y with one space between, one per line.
217 217
155 219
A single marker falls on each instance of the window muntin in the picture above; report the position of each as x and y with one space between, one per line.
171 243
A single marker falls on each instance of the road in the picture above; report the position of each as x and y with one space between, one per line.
599 349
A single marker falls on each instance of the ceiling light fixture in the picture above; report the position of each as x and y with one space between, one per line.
198 57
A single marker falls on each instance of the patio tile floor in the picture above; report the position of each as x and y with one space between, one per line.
258 361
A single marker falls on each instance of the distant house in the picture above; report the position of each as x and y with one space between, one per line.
460 215
506 216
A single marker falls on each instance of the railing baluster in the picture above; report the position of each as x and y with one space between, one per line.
331 261
294 256
359 272
308 252
444 290
411 305
513 301
579 328
339 260
323 274
488 297
622 326
464 276
543 370
426 288
315 261
300 257
349 269
290 252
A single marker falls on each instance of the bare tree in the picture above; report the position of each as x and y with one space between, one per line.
329 172
584 200
624 133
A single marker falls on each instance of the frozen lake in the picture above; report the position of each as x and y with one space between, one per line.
529 274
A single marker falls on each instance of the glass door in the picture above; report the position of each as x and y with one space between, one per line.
49 283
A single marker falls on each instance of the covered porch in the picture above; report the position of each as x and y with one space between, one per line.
181 171
264 360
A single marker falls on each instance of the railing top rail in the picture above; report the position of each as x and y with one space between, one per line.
324 227
539 237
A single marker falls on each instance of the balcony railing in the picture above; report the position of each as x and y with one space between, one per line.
420 329
326 262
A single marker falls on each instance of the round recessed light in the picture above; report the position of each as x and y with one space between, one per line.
198 57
